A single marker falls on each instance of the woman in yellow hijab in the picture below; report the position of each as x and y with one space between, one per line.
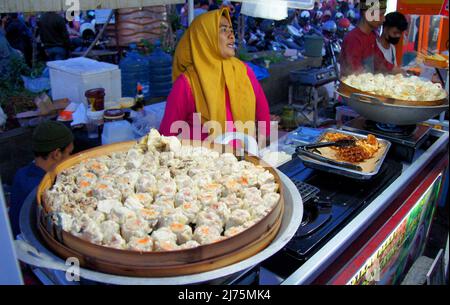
209 80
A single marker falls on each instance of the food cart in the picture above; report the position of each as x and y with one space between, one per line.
335 229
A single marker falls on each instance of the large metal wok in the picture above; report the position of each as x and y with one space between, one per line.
33 250
373 109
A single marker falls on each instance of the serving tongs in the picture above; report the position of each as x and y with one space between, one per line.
307 150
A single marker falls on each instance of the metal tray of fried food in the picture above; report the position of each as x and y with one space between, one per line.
326 161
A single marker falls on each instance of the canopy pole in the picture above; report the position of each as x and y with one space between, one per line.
190 11
100 34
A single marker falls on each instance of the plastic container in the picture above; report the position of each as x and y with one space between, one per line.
94 121
135 69
71 78
96 98
117 131
112 115
160 70
313 46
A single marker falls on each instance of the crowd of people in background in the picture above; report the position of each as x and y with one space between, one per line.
54 36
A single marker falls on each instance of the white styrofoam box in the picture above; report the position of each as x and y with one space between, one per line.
71 78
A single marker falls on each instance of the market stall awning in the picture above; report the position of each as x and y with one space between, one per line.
420 7
12 6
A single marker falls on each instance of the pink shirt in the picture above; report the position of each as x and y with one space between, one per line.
180 106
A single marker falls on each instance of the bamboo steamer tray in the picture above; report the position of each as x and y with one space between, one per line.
348 90
148 264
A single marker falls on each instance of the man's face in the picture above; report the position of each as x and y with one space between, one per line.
375 18
392 34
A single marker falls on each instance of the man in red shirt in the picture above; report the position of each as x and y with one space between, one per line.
360 52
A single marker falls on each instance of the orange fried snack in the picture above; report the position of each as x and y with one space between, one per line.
362 150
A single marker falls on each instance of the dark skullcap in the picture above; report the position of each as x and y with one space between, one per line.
51 135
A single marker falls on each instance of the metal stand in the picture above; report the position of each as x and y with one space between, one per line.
9 265
313 101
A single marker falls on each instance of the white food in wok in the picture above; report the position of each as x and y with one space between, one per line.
161 196
397 86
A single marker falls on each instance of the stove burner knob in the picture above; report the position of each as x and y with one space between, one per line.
324 205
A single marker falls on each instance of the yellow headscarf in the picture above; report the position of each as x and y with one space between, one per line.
198 57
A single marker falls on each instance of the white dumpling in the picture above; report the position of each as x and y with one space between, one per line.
133 203
142 244
169 216
265 178
105 206
97 216
116 241
271 199
268 188
121 214
183 232
147 184
109 229
186 194
190 244
134 159
190 210
164 202
205 234
221 209
259 211
207 198
92 233
164 240
233 231
150 214
237 217
134 227
209 218
167 187
65 221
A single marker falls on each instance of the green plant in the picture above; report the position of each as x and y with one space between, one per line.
243 55
273 57
146 47
12 87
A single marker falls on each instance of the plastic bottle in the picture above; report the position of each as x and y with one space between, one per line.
160 72
134 69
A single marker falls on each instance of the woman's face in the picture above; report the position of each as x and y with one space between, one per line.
226 38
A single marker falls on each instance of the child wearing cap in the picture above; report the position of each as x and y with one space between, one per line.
52 142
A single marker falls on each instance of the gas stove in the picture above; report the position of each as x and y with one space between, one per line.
405 139
334 203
